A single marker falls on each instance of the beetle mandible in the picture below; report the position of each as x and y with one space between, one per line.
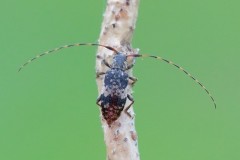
113 97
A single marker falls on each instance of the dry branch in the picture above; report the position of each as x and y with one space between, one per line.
117 30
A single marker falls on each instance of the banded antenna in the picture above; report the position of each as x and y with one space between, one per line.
116 52
66 46
179 67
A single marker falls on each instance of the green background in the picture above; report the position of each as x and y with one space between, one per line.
48 111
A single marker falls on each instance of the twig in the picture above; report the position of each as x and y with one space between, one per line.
117 30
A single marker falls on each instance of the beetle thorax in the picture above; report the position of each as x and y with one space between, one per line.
119 61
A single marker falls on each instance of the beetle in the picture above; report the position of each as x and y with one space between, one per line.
113 97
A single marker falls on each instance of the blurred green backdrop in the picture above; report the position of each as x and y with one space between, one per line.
48 111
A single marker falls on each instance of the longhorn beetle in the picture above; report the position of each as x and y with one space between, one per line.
113 96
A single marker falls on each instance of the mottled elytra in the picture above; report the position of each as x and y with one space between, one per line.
113 97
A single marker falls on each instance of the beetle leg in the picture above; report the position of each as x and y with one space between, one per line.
106 63
98 74
133 79
97 102
127 108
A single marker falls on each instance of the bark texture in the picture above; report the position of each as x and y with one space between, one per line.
117 30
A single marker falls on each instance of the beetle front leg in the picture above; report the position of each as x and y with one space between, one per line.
127 108
129 67
106 63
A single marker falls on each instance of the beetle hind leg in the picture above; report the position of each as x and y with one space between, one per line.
97 101
127 108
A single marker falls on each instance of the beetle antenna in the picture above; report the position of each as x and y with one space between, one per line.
66 46
179 67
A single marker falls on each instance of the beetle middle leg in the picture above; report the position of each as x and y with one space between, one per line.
133 79
127 108
98 74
